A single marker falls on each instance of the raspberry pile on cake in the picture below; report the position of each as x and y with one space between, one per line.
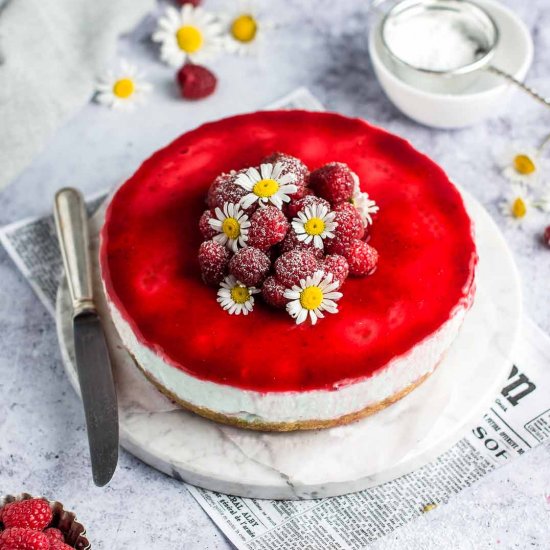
286 234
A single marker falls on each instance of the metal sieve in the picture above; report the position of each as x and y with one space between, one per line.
477 26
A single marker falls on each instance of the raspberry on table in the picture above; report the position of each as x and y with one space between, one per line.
54 534
298 205
22 538
334 182
33 513
196 81
250 266
291 242
273 292
213 260
207 231
292 266
362 258
268 226
59 545
546 236
336 265
350 225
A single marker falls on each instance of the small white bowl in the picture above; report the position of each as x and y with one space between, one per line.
514 54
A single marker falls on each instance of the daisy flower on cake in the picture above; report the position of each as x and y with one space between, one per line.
188 34
235 297
268 185
364 204
122 88
232 225
314 224
313 296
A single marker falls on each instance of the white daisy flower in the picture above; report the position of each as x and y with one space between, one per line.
517 204
235 297
188 34
232 225
267 185
315 223
312 296
543 202
123 88
522 164
244 28
365 206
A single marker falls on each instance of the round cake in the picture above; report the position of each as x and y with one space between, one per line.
263 370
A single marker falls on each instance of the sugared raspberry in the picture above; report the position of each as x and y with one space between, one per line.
296 206
268 226
338 245
295 265
213 260
362 258
546 236
34 513
250 266
196 81
213 198
337 265
21 538
273 292
292 242
207 231
334 182
292 165
54 535
225 190
350 225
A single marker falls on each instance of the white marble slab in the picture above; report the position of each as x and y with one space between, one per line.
340 460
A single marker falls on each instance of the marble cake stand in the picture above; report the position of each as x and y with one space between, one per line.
340 460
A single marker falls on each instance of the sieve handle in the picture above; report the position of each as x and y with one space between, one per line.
531 91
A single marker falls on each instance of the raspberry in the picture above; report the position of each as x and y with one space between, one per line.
249 266
334 182
292 165
194 3
362 258
213 198
296 206
268 226
59 545
338 245
34 513
273 292
207 231
20 538
213 260
224 189
337 265
295 265
292 242
546 236
54 535
196 81
350 224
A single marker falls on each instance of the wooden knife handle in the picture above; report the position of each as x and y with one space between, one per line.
72 231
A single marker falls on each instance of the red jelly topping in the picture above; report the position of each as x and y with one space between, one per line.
151 237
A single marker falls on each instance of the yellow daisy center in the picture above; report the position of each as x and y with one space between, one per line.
124 88
314 226
311 297
240 294
524 164
231 227
265 188
244 28
519 208
189 38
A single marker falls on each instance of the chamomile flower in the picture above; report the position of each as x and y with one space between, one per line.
543 201
314 294
123 88
232 225
517 204
365 206
188 34
244 28
315 223
268 185
522 164
235 297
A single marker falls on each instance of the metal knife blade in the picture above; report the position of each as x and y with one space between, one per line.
92 355
98 395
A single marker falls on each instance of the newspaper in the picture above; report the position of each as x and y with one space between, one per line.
518 420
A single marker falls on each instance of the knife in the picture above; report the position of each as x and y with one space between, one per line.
95 375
